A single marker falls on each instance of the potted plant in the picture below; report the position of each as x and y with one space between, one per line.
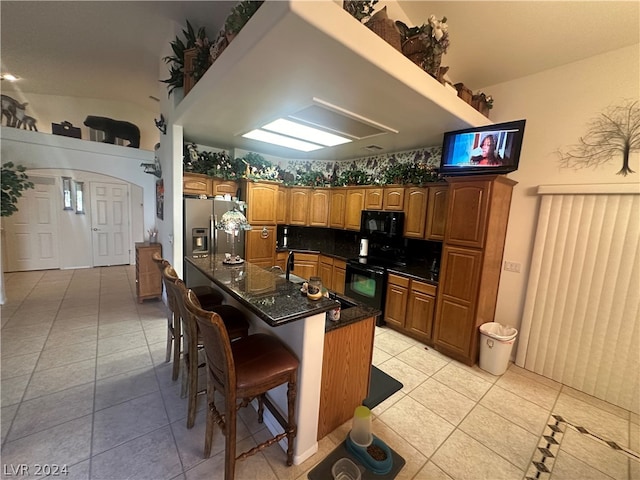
195 43
425 45
14 182
360 10
239 16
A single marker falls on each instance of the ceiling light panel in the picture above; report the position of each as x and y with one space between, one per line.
303 132
283 141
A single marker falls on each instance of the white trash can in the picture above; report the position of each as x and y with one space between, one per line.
496 343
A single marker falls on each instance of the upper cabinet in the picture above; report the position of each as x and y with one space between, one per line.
353 208
299 206
412 108
261 198
196 184
373 197
338 201
319 200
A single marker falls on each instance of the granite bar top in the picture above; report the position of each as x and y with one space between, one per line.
269 295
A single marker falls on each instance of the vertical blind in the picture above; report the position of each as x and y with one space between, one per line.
580 323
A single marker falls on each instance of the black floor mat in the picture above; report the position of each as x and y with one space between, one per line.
382 387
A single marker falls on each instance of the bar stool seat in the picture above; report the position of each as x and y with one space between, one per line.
208 296
241 371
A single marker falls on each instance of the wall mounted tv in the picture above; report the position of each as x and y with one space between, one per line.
491 149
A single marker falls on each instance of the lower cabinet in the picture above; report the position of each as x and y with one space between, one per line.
260 246
332 272
410 306
346 372
305 265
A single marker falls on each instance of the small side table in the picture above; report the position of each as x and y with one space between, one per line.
148 277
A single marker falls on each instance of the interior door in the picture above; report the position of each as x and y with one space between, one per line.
110 224
32 232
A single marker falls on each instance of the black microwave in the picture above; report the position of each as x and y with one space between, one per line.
376 223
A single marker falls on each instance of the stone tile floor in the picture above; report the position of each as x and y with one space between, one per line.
85 384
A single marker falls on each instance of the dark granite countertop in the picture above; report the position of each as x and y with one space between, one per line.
270 296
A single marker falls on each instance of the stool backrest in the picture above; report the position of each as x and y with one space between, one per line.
179 290
217 346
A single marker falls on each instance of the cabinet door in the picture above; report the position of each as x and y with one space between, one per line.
420 310
305 265
282 204
222 187
325 269
336 210
298 206
458 291
353 208
339 275
395 309
373 199
437 212
261 246
319 207
196 184
393 198
261 203
467 213
281 260
415 208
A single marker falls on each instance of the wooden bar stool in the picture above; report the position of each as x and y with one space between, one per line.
241 371
234 321
208 296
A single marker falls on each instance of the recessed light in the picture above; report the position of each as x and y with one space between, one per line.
9 77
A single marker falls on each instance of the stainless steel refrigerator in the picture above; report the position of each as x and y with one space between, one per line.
202 238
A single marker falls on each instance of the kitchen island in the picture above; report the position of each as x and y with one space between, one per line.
276 306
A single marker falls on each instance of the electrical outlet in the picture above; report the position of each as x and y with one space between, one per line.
512 267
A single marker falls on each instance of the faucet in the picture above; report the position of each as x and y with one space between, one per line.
290 263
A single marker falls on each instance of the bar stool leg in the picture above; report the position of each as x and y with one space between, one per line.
176 347
169 335
291 420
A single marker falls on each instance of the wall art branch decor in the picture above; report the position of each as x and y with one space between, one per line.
612 134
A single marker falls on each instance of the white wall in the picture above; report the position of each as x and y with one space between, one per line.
557 104
54 156
48 109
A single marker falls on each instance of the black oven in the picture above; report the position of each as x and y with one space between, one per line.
366 284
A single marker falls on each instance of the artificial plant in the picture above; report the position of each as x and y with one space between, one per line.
14 182
176 61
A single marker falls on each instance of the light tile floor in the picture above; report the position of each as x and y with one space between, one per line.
85 384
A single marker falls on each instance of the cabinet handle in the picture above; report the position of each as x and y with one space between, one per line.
264 233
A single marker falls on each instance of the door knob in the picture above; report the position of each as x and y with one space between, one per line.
96 229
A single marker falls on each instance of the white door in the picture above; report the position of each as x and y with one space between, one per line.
110 224
32 232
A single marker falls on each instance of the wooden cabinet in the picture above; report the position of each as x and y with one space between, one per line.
436 212
332 272
224 187
395 309
261 198
199 184
281 260
338 199
325 271
196 184
260 246
282 204
339 275
346 372
319 199
477 216
467 215
393 198
299 206
305 265
353 208
148 276
373 198
415 209
420 310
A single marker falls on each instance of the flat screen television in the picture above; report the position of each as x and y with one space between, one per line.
491 149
